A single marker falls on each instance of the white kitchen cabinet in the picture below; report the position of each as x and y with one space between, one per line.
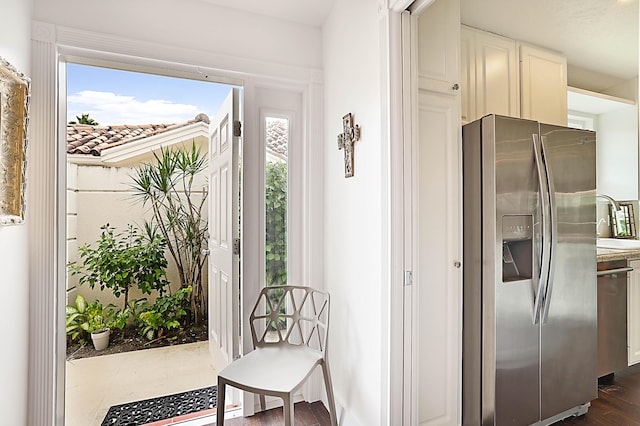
438 38
489 75
543 85
433 235
633 313
467 74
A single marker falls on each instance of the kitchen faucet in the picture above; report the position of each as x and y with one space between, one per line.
619 215
613 202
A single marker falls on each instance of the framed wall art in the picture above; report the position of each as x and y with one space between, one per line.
14 123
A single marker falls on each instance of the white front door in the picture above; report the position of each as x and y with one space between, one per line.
224 259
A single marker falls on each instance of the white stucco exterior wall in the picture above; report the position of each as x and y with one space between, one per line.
354 211
15 42
102 195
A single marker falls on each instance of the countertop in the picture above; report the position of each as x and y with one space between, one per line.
609 254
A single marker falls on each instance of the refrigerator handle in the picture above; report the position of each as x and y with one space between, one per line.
554 233
543 270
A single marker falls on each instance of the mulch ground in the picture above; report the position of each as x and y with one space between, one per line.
132 341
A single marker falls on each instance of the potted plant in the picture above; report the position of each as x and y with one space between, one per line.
100 338
98 328
92 319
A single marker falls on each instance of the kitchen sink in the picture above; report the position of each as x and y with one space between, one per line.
618 244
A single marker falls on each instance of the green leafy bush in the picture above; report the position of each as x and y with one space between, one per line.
76 319
120 261
164 314
276 224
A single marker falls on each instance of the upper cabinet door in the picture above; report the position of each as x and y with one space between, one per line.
543 85
438 45
489 75
497 90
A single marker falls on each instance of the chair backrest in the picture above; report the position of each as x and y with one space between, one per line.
291 315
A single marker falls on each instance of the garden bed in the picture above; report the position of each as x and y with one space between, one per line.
133 341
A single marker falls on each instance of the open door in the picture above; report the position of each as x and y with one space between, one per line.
224 258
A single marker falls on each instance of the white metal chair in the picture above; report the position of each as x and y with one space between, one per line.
289 328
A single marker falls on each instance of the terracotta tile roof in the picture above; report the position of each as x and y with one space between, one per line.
87 139
278 136
93 140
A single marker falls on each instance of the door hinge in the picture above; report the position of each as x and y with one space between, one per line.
408 278
237 128
236 246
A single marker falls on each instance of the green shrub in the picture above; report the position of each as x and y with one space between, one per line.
164 314
276 223
76 319
120 261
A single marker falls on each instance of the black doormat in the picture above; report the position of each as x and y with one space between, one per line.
164 407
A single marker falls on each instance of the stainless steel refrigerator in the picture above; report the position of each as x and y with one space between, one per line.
529 311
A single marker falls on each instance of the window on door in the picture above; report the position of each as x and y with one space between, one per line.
276 199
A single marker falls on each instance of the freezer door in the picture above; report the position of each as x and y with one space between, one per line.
511 245
569 328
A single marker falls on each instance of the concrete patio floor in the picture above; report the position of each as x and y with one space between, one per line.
95 384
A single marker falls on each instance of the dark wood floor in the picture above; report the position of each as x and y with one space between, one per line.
618 403
305 414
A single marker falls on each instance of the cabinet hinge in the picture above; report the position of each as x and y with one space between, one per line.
237 128
236 246
408 278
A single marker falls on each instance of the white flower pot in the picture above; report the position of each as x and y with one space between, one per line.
100 338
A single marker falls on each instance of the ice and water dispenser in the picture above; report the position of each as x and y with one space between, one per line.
517 247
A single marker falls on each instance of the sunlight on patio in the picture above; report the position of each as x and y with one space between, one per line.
95 384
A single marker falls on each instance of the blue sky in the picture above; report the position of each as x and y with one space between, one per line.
122 97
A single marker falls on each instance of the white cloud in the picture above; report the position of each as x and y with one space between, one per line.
108 108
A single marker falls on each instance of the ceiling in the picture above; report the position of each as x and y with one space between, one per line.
598 35
308 12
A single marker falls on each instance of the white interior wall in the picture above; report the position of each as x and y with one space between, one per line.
355 211
617 156
15 36
191 24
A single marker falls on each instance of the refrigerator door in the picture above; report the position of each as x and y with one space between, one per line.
512 246
569 320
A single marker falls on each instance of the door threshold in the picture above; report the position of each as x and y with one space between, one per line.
200 418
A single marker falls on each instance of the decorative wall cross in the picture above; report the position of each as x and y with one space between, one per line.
346 139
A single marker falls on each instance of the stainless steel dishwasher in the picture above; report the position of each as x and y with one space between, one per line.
612 316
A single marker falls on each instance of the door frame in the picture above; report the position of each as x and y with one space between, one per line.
402 108
47 206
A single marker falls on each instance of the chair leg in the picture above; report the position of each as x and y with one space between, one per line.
220 403
329 387
263 402
287 407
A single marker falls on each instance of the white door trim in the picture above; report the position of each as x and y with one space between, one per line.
45 190
397 155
